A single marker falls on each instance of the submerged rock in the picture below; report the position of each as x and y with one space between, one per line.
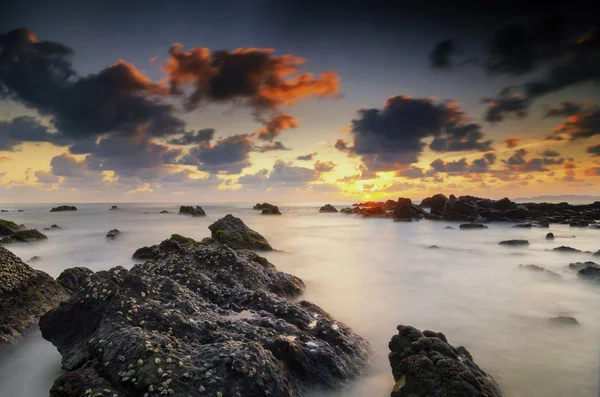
582 265
8 227
164 212
564 248
562 320
264 206
550 236
113 208
589 273
25 294
113 234
514 242
328 208
34 258
63 208
424 364
205 320
191 210
539 269
24 236
233 232
473 226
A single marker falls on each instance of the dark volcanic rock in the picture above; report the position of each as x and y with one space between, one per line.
63 208
146 252
521 212
8 227
562 320
207 320
563 248
114 207
514 242
25 294
539 269
472 226
590 273
113 234
73 279
436 203
424 364
328 208
191 210
234 232
24 236
550 236
597 253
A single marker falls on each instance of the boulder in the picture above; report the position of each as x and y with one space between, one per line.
521 212
201 321
550 236
539 269
467 226
562 320
113 234
563 248
389 205
34 258
146 252
582 265
73 279
191 210
525 225
271 211
347 210
328 208
424 364
264 206
435 203
460 209
589 273
503 204
24 236
233 232
25 294
597 253
114 207
164 212
403 209
514 243
63 208
492 215
8 227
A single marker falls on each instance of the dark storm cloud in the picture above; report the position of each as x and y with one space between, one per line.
411 173
594 150
324 166
393 136
307 157
271 146
200 137
26 129
441 55
582 125
252 77
228 155
505 104
482 165
451 167
565 109
518 162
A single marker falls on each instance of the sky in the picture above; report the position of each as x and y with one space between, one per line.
263 100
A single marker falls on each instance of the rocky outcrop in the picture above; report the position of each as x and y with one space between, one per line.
146 252
264 206
164 212
113 234
424 364
435 203
63 208
199 320
271 211
328 208
73 279
24 236
514 243
233 232
8 228
539 269
191 210
405 209
468 226
582 265
591 273
564 248
25 294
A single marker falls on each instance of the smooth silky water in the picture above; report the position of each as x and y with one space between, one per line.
371 274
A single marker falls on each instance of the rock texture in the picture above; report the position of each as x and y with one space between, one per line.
25 294
200 320
233 232
63 208
328 208
191 210
424 364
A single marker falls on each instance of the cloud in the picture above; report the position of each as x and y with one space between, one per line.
451 167
512 142
595 171
252 77
565 109
67 165
229 155
581 125
275 125
307 157
5 158
518 163
200 137
594 150
281 175
411 173
391 137
442 53
324 166
47 177
271 146
505 104
550 153
26 129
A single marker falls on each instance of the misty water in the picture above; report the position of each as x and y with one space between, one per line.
371 274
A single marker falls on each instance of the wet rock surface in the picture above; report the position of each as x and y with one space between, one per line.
591 273
25 294
328 208
113 208
73 278
191 210
63 208
233 232
200 319
424 364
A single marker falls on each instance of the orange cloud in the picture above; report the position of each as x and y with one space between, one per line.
512 142
135 80
275 125
153 59
5 158
592 171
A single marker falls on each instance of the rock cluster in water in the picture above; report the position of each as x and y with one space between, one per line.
424 364
328 208
12 233
267 209
63 208
25 294
200 319
191 210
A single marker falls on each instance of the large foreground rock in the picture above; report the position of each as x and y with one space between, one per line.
25 294
424 364
234 232
200 320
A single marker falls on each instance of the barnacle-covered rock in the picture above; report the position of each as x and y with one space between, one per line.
233 232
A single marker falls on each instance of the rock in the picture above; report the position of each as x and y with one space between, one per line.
346 210
8 228
590 273
328 208
436 203
25 294
55 227
582 265
63 208
265 206
539 269
514 242
3 210
34 259
521 212
271 211
550 236
473 226
389 205
460 210
492 215
597 253
424 364
191 210
113 234
73 279
504 204
563 248
146 252
525 225
579 223
207 320
24 236
20 210
562 320
449 228
113 208
233 232
433 247
164 212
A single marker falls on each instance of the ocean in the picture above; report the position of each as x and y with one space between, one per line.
371 274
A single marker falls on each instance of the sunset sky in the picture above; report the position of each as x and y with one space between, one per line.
121 101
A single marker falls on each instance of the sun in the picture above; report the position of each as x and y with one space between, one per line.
367 196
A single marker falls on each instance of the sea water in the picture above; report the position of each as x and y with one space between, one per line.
371 274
